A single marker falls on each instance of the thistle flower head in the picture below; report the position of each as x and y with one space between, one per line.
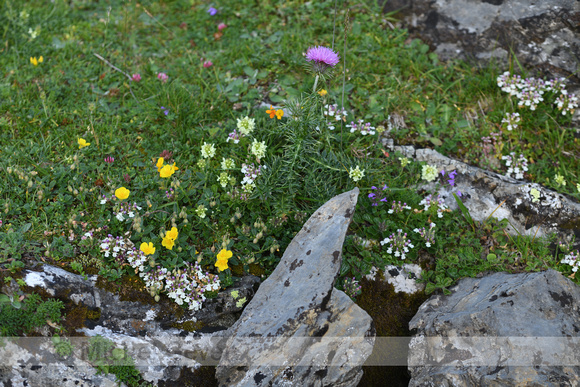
322 59
324 55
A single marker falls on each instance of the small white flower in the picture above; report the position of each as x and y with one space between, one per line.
246 125
120 217
258 149
228 163
207 150
429 172
356 174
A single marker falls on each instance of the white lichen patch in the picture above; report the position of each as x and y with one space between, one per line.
537 196
34 278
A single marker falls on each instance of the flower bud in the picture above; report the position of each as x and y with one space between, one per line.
157 298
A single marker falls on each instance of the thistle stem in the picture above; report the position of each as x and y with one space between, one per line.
315 83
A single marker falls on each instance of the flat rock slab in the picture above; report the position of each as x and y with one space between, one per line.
502 329
299 330
540 33
488 194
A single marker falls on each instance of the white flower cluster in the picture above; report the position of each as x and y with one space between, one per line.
258 149
207 150
333 113
517 167
439 203
530 91
428 235
362 127
246 125
183 286
567 103
534 193
398 207
511 120
234 136
572 259
123 210
429 172
250 174
228 163
224 179
356 174
399 243
188 286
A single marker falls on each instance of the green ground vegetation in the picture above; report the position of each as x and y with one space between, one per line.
93 94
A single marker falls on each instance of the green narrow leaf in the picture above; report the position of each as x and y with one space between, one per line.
465 211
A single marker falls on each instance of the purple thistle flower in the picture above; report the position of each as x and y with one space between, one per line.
322 57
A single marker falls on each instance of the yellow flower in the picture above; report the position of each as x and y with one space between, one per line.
174 167
166 171
322 92
122 193
168 243
222 259
172 234
83 143
35 61
279 114
147 249
159 164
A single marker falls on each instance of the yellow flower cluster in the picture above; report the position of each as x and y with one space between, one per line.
35 61
222 259
165 170
169 239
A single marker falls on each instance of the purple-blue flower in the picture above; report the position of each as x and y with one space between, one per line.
212 11
322 56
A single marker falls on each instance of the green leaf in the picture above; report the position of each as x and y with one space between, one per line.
276 98
118 353
464 211
435 141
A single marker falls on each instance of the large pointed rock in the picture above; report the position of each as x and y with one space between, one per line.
298 330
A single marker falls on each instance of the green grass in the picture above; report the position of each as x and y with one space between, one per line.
51 191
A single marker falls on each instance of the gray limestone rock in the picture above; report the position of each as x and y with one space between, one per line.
486 192
298 330
142 329
502 329
540 33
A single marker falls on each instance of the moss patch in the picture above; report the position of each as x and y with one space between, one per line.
256 270
190 326
391 312
131 288
237 270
